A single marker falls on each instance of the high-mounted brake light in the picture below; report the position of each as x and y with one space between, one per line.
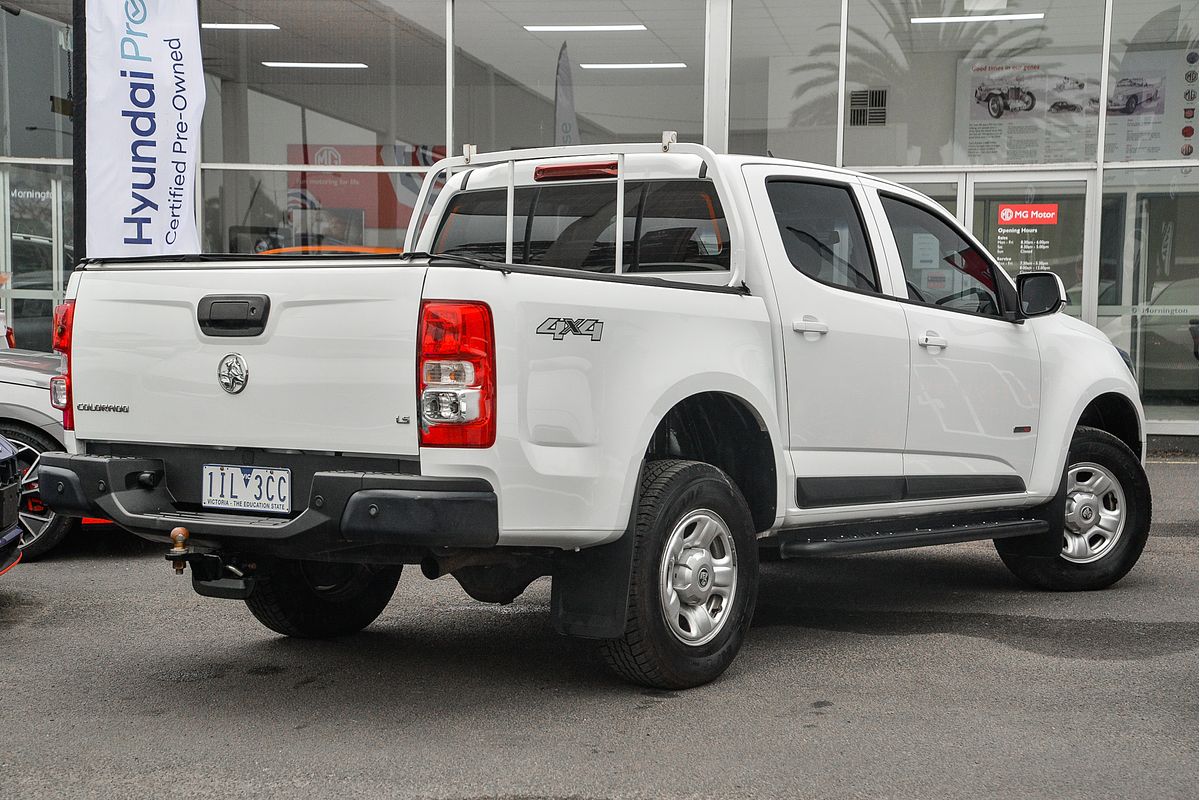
60 385
456 375
573 172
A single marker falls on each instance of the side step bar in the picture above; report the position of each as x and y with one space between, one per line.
876 538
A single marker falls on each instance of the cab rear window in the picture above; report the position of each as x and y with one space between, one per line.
669 226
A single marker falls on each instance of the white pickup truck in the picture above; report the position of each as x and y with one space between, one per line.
762 356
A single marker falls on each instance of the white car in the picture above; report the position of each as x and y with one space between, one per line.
764 353
1131 93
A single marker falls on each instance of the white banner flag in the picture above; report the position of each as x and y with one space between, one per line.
566 128
145 98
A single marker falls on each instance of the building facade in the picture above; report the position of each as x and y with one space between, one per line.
1061 132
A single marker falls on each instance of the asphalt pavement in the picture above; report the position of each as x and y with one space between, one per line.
918 674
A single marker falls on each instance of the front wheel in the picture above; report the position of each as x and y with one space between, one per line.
316 600
694 581
995 106
1107 518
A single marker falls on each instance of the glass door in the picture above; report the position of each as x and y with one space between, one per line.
35 249
1037 221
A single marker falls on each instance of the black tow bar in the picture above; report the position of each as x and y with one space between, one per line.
211 575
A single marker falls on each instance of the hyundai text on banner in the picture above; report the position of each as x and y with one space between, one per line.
145 98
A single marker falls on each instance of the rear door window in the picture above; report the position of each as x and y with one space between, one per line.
669 226
823 233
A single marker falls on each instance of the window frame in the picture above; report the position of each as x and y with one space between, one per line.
1006 291
521 238
862 223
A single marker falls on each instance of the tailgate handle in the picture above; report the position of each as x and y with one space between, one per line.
233 315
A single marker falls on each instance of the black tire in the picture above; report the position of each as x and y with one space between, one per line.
1030 101
315 600
1091 445
30 444
1131 104
649 653
995 106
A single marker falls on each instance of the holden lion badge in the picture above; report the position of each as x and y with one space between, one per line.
232 373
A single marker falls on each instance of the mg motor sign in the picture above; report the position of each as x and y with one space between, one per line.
145 98
1028 214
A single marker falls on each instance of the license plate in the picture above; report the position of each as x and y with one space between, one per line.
247 488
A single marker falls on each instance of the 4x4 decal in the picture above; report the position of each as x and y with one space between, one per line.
559 327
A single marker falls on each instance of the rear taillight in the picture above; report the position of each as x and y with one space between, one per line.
456 375
60 385
64 318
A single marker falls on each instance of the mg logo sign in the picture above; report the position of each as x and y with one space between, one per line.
1028 214
327 157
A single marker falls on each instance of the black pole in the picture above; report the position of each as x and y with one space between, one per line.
79 126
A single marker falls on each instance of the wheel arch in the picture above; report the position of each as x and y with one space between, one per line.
726 430
20 415
1114 413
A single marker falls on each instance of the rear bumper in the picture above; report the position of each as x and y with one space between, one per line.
350 515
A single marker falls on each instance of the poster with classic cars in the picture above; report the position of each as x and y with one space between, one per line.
1024 112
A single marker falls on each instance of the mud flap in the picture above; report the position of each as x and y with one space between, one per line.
1042 545
589 596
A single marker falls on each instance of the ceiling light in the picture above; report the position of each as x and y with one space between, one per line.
315 64
978 18
659 65
240 26
583 28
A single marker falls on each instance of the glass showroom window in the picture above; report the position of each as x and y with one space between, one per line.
784 79
38 253
577 72
1148 285
929 82
253 211
331 81
1151 107
35 83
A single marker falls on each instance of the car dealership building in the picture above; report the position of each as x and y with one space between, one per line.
1061 132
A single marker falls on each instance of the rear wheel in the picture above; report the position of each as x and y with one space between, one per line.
41 529
1107 518
694 581
317 600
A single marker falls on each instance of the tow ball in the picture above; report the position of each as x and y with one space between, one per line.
179 552
212 576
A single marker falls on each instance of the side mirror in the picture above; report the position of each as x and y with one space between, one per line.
1041 293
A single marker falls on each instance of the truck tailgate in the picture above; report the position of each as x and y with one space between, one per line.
333 370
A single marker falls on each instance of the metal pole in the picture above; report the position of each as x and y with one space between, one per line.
508 214
619 223
840 155
79 125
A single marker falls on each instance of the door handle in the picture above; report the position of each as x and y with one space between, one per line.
810 324
931 339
